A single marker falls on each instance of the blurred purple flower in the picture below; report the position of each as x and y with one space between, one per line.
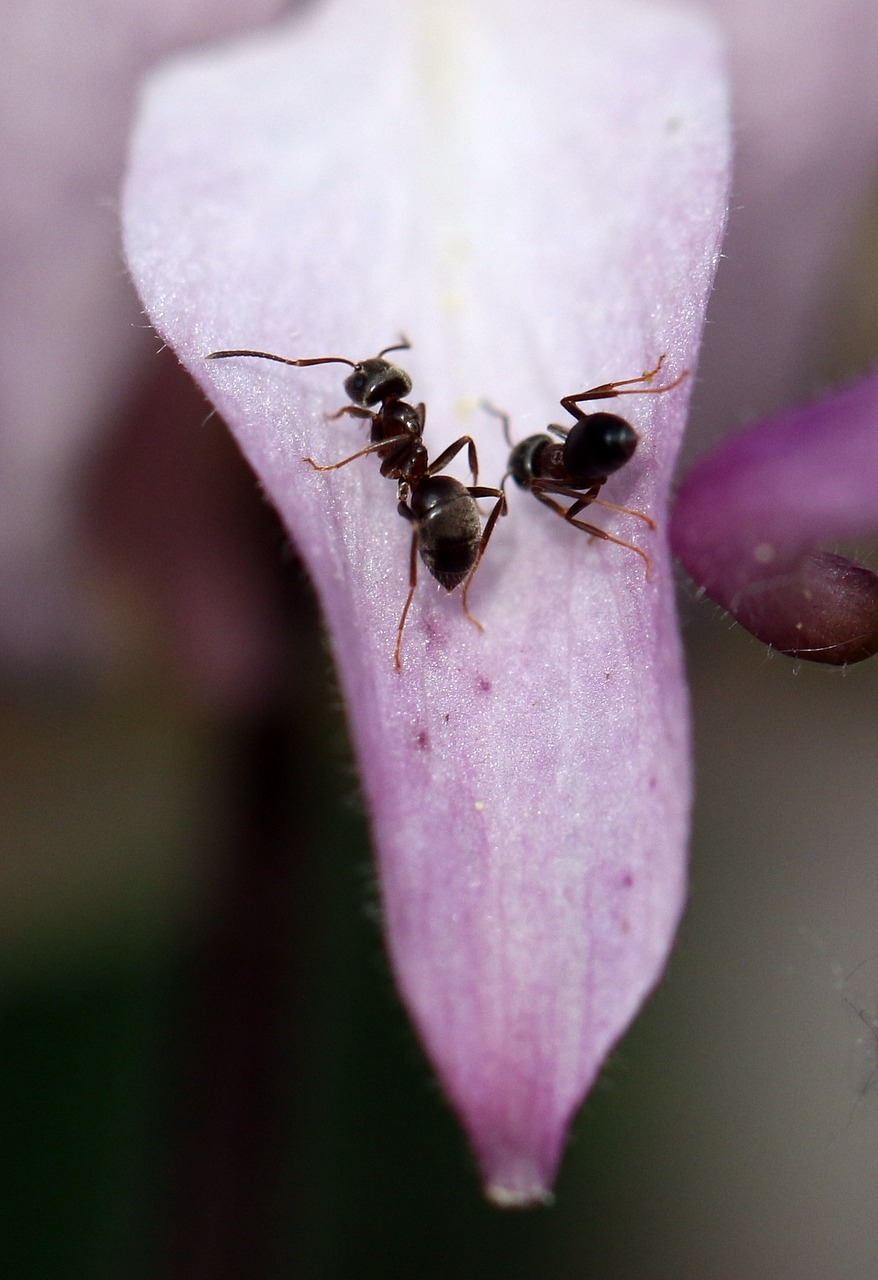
74 349
750 517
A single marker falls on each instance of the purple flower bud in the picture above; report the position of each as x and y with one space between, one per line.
750 516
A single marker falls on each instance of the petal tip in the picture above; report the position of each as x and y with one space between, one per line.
533 1195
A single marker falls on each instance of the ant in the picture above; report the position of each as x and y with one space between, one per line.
446 527
397 426
445 520
596 446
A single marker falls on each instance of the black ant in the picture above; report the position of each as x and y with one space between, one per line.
446 527
595 447
446 523
397 426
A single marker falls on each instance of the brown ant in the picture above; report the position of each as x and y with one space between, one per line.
445 520
595 447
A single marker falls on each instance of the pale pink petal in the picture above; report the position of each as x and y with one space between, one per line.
535 195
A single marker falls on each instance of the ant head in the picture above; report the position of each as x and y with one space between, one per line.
597 446
521 460
375 381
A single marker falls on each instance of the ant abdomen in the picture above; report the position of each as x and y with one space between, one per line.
586 454
596 447
449 528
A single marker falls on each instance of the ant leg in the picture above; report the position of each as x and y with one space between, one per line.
452 451
625 511
540 486
370 448
413 582
483 491
473 460
608 390
499 509
498 413
349 411
585 500
570 514
504 418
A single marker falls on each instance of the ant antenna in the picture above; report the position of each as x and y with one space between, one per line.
267 355
498 413
402 345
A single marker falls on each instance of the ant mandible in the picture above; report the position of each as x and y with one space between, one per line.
596 446
446 523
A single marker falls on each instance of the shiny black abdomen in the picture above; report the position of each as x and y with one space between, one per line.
449 528
596 447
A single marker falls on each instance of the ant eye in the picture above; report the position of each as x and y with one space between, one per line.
598 446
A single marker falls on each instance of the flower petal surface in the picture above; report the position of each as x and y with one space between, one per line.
534 195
